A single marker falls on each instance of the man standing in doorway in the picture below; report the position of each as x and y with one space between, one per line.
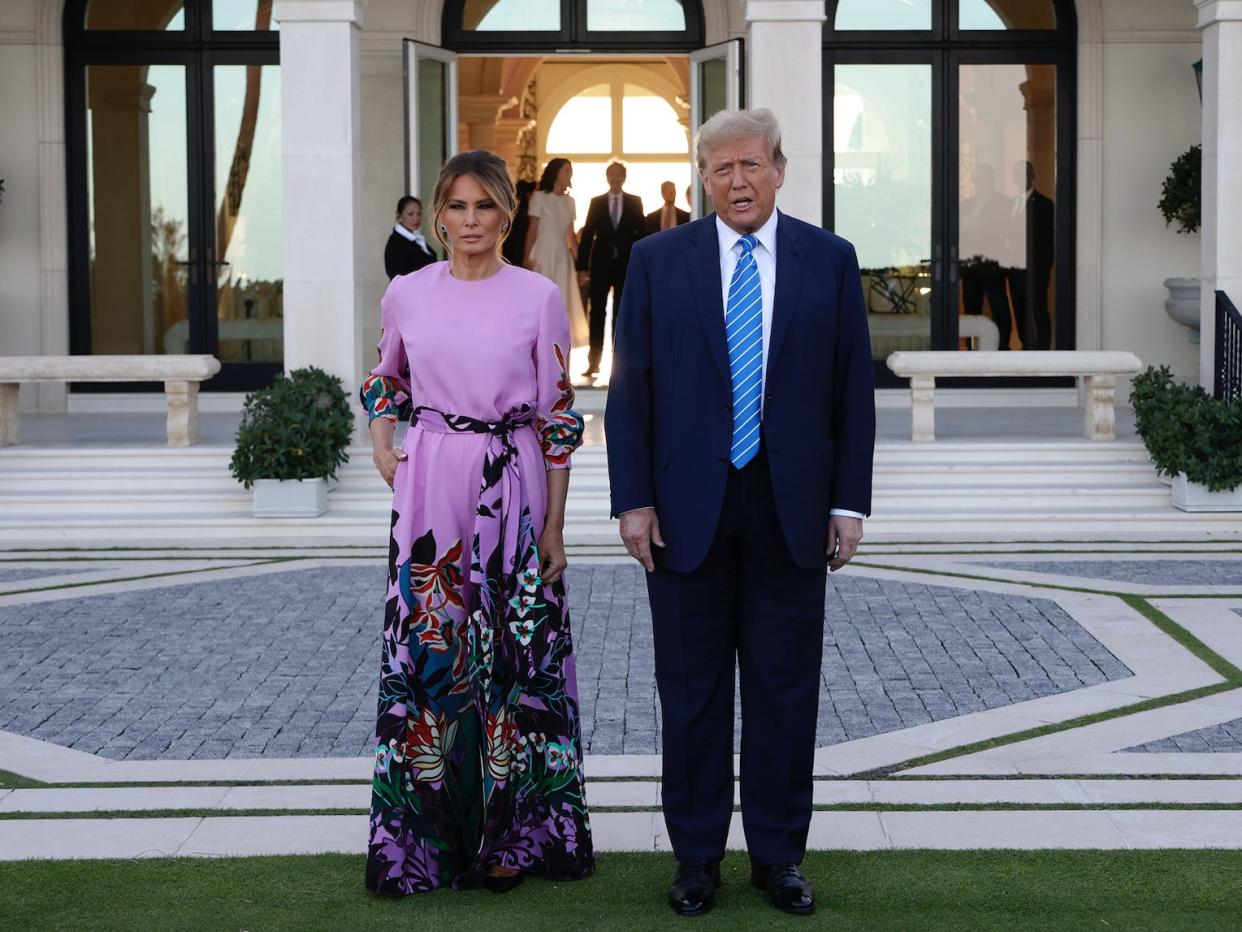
614 222
669 215
741 429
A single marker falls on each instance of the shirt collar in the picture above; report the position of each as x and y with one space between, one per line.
729 237
412 237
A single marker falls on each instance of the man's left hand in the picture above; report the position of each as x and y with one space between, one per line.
844 536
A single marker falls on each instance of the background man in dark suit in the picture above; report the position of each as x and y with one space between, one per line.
407 250
614 222
1034 226
669 215
741 428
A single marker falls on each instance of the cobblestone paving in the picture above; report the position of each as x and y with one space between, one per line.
18 573
1216 739
285 664
1174 572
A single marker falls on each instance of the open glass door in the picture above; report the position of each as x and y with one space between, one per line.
430 119
715 85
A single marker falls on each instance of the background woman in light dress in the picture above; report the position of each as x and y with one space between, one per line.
552 243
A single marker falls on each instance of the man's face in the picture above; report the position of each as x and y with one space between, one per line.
616 178
668 191
742 180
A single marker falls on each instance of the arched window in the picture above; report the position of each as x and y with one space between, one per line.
557 25
173 139
949 133
627 121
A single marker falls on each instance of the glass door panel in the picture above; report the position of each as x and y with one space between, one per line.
882 195
431 119
139 245
715 85
246 261
1006 211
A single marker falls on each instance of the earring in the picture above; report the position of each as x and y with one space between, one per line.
504 228
443 230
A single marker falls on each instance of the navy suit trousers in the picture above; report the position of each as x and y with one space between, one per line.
748 605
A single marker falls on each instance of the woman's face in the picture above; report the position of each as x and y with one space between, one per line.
411 217
564 177
473 220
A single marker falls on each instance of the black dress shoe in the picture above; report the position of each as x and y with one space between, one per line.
694 887
502 883
788 890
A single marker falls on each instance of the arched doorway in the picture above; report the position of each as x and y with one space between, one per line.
951 128
173 132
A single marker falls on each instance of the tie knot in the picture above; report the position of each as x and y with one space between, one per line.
748 243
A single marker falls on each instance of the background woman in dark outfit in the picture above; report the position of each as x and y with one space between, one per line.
407 251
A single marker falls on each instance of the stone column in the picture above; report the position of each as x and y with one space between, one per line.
321 151
1221 23
785 70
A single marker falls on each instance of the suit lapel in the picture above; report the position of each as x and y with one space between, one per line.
788 279
703 264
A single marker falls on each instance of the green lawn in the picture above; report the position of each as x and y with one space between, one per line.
915 890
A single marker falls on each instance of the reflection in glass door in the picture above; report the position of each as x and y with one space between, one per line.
1006 205
247 255
882 193
137 222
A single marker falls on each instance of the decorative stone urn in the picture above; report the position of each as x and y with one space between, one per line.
1183 304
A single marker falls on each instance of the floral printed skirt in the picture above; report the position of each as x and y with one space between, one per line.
478 749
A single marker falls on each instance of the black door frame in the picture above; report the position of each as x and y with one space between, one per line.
573 34
198 49
946 49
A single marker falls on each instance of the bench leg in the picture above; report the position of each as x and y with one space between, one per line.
922 408
182 413
1099 414
10 417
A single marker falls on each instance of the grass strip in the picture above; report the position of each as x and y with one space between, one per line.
171 574
823 807
936 891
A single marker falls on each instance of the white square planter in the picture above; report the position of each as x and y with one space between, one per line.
1190 496
290 498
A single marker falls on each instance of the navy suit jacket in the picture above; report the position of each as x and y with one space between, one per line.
669 420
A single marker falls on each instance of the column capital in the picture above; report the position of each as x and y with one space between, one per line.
785 11
319 11
482 108
1218 11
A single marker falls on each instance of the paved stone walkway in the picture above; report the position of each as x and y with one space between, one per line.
1203 572
284 664
1225 738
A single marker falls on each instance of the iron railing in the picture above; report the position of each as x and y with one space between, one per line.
1228 349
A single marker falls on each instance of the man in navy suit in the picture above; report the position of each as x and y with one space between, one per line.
741 427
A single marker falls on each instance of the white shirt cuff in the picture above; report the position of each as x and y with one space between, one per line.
848 514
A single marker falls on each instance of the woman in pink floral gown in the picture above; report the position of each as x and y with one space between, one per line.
478 760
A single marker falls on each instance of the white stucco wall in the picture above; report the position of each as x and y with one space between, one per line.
21 324
1151 116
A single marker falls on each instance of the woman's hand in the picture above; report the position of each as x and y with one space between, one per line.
386 461
552 552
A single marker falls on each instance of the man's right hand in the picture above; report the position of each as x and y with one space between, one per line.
584 278
640 529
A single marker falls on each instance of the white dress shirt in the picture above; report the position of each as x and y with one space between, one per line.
730 242
614 208
415 237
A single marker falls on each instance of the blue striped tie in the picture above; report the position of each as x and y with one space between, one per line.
744 333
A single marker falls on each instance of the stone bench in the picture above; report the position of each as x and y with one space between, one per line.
1099 371
181 376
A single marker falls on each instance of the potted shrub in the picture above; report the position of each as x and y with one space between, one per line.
1181 204
1192 437
291 441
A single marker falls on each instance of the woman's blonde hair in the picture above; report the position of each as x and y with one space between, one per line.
490 171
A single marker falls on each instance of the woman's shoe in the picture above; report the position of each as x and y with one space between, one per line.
502 883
